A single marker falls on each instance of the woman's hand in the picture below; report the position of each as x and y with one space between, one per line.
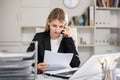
67 31
42 67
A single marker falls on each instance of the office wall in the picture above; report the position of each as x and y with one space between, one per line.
71 12
9 23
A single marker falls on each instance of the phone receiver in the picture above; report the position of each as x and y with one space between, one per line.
62 31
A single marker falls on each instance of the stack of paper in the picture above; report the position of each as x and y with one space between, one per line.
16 64
12 56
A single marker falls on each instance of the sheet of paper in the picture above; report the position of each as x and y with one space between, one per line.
55 67
16 54
15 65
57 60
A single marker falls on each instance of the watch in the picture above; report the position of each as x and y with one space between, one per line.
70 3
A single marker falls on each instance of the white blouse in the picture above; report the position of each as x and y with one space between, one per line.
55 43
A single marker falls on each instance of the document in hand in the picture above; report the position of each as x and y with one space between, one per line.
57 60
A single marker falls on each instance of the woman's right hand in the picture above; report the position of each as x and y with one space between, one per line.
41 67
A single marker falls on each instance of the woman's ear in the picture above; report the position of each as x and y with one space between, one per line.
48 23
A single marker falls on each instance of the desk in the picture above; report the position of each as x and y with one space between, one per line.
45 77
41 77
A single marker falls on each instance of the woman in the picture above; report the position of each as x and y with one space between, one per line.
52 39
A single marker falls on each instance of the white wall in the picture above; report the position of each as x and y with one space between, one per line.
9 23
71 12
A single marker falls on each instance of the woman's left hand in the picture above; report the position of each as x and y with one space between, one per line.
67 31
42 67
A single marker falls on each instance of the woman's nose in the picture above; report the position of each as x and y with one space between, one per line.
57 29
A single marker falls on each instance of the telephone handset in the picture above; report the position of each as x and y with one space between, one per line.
64 29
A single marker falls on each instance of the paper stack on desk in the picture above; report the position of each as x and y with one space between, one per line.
117 70
57 60
16 64
13 56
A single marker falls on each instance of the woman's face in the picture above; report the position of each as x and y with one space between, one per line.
56 27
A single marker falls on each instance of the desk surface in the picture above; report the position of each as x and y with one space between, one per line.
45 77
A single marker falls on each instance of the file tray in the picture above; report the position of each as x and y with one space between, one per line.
16 63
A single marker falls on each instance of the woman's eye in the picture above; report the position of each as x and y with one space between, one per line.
61 26
54 25
57 26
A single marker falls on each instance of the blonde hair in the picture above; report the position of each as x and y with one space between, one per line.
58 14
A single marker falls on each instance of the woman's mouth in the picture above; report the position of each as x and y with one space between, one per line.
56 32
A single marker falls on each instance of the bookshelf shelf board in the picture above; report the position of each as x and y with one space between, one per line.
86 45
106 45
107 8
85 27
110 27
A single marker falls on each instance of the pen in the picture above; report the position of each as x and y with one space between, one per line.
102 64
106 62
99 61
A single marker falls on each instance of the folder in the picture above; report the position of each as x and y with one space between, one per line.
116 3
91 17
111 3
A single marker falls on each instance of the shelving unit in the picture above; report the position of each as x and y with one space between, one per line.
107 30
85 41
103 37
29 32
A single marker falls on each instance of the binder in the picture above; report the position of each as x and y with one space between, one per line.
91 17
104 3
116 2
100 19
111 3
119 4
98 3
